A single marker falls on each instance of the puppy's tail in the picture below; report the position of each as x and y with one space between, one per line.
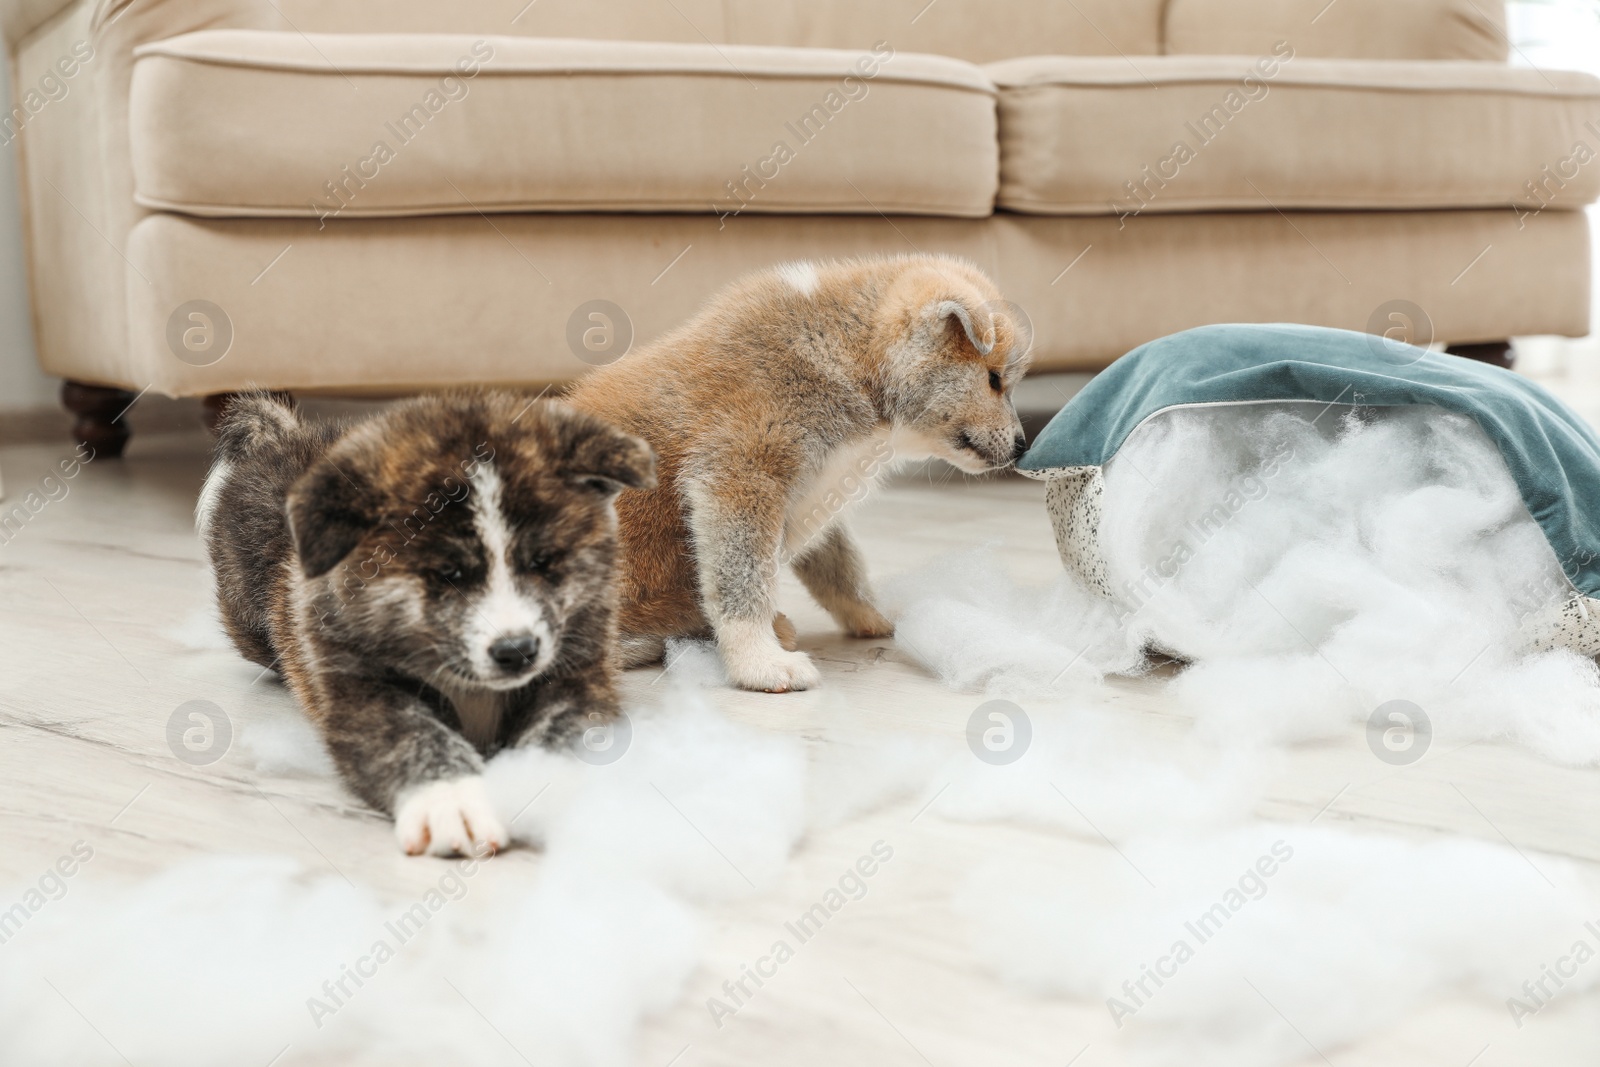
253 421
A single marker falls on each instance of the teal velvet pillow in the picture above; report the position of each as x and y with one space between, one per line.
1551 453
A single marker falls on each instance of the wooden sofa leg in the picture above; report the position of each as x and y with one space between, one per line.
98 409
216 403
1496 352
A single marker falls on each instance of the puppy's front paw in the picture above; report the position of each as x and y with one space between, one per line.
775 671
452 817
864 620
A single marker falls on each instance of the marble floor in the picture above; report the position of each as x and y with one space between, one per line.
98 593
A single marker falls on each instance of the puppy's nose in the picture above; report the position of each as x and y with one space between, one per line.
1018 446
514 654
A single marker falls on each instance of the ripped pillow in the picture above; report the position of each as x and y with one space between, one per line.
1550 454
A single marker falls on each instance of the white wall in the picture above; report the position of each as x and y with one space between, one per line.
21 383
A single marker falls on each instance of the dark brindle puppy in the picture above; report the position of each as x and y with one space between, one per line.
434 584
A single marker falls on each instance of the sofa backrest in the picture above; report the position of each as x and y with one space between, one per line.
976 30
1340 29
676 21
979 31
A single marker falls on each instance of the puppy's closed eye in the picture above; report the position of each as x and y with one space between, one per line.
539 561
454 573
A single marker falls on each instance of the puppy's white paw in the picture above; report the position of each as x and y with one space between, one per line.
452 817
772 671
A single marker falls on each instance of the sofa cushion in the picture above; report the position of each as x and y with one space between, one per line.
253 123
1193 133
397 305
1342 29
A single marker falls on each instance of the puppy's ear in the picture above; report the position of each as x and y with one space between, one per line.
598 455
330 509
975 321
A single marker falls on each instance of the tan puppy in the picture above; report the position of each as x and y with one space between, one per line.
769 411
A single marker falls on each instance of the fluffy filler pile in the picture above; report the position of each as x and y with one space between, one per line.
1363 556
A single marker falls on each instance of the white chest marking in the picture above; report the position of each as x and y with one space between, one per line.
844 479
801 276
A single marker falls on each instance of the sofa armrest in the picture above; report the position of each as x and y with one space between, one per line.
1342 29
72 139
18 18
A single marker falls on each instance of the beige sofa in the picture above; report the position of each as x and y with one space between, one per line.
375 196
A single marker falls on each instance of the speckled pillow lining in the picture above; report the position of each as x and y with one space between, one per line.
1074 498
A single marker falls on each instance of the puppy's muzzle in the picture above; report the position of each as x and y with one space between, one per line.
998 457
